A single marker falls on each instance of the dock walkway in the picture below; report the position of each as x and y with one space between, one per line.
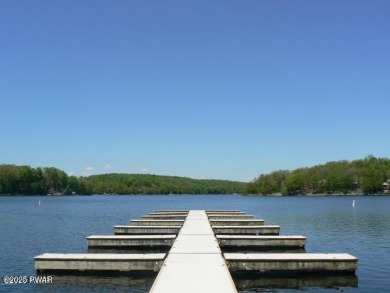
195 262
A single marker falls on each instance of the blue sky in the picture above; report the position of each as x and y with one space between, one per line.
203 89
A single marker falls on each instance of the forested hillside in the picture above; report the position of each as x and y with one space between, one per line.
154 184
342 177
30 181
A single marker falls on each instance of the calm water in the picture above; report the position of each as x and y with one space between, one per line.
60 224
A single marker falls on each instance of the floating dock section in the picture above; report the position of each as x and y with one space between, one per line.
198 259
93 262
144 230
291 262
247 230
157 222
101 241
261 241
167 215
229 217
237 222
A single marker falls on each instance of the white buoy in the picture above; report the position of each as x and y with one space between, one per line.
39 202
353 203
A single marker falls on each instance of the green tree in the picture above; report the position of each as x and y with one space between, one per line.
295 183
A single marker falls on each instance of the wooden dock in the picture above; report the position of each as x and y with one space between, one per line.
195 262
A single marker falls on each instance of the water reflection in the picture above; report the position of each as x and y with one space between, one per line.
256 282
83 283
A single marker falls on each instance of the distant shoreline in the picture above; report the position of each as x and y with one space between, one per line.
246 195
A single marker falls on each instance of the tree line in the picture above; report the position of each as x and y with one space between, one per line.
156 184
41 181
38 181
343 177
364 176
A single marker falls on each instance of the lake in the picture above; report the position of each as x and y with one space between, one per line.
331 224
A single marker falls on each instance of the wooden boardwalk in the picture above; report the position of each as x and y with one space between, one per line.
195 262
